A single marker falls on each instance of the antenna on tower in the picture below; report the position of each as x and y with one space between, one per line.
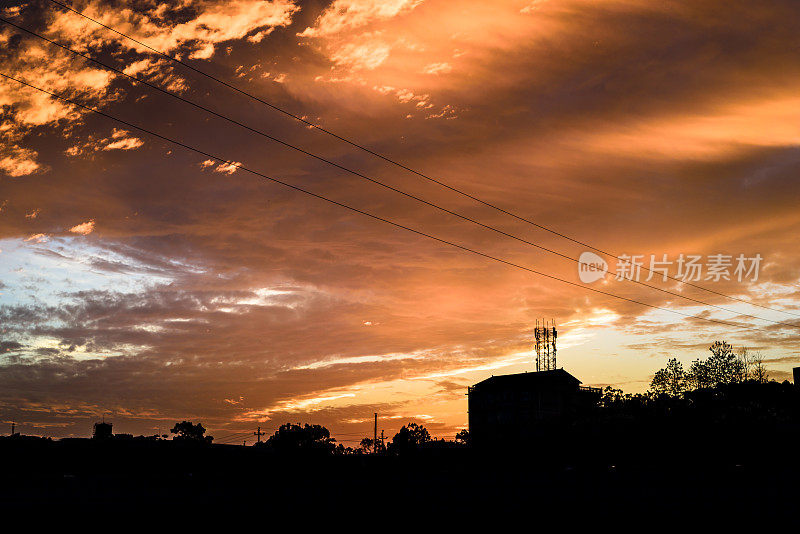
545 335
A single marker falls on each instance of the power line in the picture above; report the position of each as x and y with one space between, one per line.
230 436
245 433
237 435
368 214
378 182
245 436
235 441
407 168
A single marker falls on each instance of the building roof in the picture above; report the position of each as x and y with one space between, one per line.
529 380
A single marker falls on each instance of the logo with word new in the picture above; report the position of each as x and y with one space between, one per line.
591 267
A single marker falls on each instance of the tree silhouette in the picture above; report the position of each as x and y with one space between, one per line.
757 370
187 431
724 366
462 437
672 379
367 445
306 438
409 438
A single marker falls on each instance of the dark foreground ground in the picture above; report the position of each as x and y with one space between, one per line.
639 483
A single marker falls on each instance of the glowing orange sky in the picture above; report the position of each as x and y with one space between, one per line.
151 284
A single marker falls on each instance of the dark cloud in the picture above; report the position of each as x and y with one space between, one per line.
9 346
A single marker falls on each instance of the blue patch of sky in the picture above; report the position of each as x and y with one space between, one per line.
47 273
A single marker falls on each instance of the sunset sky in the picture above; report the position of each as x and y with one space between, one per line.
147 283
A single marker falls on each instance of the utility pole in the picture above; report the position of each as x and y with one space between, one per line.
258 434
382 449
13 427
375 435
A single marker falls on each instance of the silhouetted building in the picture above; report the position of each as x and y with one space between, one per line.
796 373
102 431
508 408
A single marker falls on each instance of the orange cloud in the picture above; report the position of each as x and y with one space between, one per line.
56 70
350 14
37 238
213 23
438 68
367 55
124 144
736 126
18 161
85 228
